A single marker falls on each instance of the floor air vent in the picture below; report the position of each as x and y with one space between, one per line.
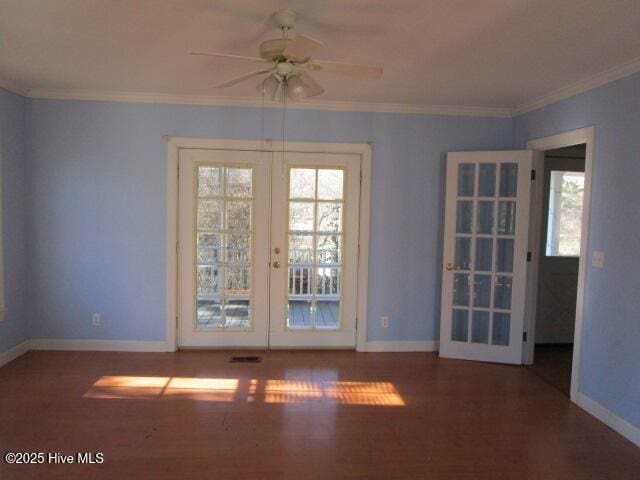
245 360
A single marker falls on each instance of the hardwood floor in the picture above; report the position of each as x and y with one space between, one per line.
552 363
298 415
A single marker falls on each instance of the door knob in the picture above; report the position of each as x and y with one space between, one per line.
450 266
276 264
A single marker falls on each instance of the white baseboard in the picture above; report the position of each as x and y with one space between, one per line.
14 352
403 346
97 345
606 416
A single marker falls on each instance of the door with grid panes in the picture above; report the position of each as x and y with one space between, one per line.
314 249
223 235
485 255
268 248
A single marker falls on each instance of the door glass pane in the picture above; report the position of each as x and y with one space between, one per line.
464 216
223 281
487 180
210 214
466 179
508 179
209 313
460 325
299 313
480 327
463 253
485 217
236 312
237 280
507 218
482 291
208 277
300 282
504 261
238 248
502 296
300 249
500 330
301 216
209 184
209 247
327 281
302 183
330 184
329 249
315 248
461 289
239 182
238 216
327 314
484 254
329 217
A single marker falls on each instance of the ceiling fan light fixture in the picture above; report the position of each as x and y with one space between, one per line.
269 86
296 89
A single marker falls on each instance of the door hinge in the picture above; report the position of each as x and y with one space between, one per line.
524 336
528 256
360 177
177 248
533 175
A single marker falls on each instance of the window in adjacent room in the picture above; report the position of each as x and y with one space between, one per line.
565 214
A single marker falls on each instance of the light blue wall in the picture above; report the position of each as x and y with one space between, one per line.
14 328
610 358
97 180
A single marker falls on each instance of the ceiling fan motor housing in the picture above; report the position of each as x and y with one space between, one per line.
271 50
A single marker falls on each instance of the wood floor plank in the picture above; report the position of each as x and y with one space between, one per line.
298 415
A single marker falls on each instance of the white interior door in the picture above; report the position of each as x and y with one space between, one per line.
485 255
223 235
314 249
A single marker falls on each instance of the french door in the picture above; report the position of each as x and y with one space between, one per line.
267 248
485 255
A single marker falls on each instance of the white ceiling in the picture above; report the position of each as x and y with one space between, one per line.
438 52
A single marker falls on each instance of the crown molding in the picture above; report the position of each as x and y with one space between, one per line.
13 87
581 86
623 70
252 102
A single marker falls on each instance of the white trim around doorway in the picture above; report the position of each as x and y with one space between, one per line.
574 137
175 143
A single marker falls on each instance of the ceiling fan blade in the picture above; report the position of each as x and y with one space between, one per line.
242 78
227 55
352 69
313 88
301 47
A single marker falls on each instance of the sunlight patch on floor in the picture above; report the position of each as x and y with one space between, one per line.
254 390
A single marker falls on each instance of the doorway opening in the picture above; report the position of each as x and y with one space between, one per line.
558 263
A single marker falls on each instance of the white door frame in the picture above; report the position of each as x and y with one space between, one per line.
574 137
175 143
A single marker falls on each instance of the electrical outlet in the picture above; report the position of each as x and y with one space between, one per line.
384 322
97 319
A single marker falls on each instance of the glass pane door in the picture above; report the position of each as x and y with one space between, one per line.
486 229
223 235
314 237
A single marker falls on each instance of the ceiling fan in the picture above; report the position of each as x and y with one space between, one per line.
290 62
